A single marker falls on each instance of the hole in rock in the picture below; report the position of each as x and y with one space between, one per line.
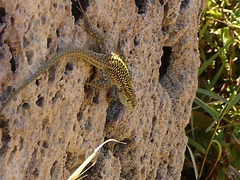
5 93
45 144
25 106
29 55
141 4
75 8
114 110
49 40
57 33
52 170
40 100
55 98
79 116
184 4
161 2
166 8
51 75
68 67
96 98
35 172
4 125
21 143
37 82
88 125
136 41
165 61
13 65
2 14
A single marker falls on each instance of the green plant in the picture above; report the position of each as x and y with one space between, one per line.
214 131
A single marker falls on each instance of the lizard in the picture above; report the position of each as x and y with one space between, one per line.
110 63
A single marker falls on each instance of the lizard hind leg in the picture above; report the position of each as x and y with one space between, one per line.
90 28
98 84
100 81
103 81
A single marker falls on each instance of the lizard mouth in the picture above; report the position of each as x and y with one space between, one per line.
129 102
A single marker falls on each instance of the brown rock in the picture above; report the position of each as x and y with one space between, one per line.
50 128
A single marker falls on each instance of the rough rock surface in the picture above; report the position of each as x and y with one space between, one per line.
50 128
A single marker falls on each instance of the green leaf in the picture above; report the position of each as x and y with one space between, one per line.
226 36
193 161
218 158
196 145
203 30
207 108
202 54
216 77
207 63
231 103
214 13
236 15
212 94
209 38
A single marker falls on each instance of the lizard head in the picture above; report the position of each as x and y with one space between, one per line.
127 98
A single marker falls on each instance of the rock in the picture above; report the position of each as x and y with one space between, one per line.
52 125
